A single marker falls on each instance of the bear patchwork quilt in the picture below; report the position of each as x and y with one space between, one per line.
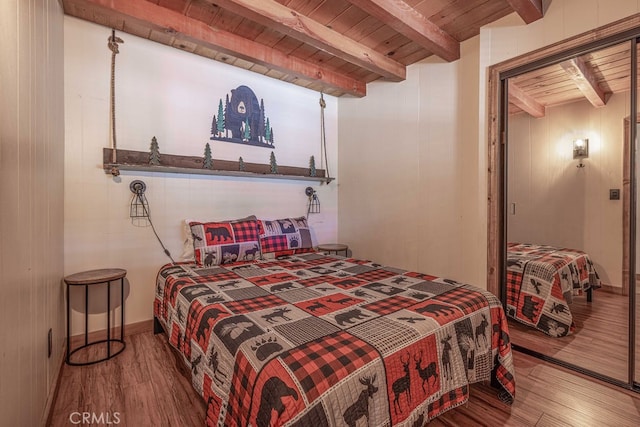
325 340
541 282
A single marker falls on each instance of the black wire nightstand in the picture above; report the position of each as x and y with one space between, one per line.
86 279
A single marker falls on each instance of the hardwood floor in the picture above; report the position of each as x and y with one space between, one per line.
144 386
600 341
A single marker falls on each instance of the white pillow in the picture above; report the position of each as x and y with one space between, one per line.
187 245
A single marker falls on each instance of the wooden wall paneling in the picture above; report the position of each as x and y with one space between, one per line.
31 251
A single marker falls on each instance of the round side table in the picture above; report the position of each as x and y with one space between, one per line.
334 247
87 279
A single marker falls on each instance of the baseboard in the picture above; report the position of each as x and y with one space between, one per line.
617 290
130 329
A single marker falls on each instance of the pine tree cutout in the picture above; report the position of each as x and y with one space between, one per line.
247 130
220 122
213 126
272 162
261 124
208 161
154 153
312 166
227 107
267 131
241 164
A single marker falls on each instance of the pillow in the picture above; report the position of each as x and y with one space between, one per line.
187 245
286 236
225 242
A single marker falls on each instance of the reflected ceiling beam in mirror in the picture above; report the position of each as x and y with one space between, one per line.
407 21
277 17
584 77
525 102
529 10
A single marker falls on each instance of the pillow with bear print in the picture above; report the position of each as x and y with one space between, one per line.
217 243
286 236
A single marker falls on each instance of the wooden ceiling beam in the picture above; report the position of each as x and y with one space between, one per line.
525 102
181 27
287 21
529 10
412 24
584 78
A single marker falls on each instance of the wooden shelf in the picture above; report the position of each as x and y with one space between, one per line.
127 160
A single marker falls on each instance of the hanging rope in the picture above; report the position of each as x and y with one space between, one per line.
323 138
113 46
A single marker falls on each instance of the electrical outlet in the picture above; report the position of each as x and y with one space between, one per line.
614 194
49 342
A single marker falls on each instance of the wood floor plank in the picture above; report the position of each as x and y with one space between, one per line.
146 386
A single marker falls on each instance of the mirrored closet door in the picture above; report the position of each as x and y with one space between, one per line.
564 231
562 204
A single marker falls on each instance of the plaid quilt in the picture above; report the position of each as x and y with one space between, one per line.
541 283
325 340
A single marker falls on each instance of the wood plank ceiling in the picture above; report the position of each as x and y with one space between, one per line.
594 77
333 46
338 46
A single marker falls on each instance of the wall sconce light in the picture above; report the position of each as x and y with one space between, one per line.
139 209
581 150
314 202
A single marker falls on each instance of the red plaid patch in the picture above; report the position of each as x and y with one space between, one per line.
319 261
240 392
254 304
245 231
465 299
514 283
421 276
389 305
449 400
274 243
313 281
271 279
322 363
373 275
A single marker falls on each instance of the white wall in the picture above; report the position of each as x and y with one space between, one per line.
409 192
559 204
170 94
31 211
434 209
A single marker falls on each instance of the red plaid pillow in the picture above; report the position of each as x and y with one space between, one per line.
287 236
225 242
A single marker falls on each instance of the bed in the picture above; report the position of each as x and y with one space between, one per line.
541 283
296 337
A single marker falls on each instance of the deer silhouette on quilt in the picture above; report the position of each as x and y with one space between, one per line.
426 373
446 356
402 385
360 408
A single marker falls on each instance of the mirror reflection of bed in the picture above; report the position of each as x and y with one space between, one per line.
564 232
